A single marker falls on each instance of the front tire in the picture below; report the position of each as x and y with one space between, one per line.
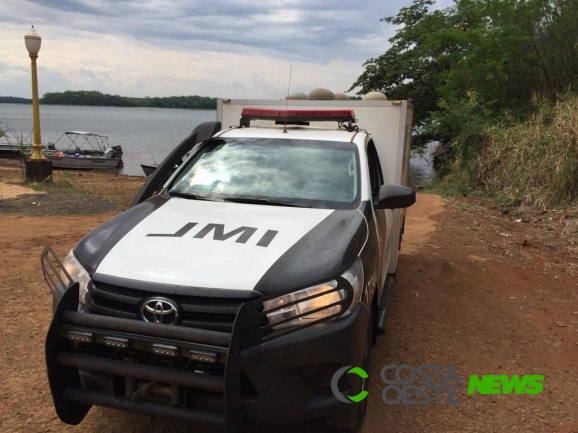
351 419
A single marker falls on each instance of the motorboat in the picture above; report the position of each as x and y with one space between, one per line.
148 169
82 162
85 151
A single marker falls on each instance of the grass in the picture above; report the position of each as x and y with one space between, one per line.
60 185
531 164
447 187
534 163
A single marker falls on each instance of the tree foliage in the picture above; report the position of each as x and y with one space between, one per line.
14 100
85 97
498 53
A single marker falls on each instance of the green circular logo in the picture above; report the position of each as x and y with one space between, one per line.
335 381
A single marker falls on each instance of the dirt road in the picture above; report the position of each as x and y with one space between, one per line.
469 292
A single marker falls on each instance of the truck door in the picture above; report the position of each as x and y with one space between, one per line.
383 217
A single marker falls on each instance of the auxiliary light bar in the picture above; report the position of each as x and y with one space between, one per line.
298 115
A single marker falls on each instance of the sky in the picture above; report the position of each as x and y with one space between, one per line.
217 48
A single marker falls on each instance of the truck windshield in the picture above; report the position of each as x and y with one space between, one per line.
310 173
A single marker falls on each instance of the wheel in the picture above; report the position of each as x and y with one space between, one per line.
351 419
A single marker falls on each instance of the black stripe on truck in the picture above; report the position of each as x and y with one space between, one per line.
94 247
324 252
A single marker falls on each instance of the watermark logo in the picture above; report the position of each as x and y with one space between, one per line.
405 390
502 384
335 384
430 383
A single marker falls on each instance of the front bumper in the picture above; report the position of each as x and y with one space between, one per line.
288 372
292 374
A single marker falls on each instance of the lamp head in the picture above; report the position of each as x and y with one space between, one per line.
32 41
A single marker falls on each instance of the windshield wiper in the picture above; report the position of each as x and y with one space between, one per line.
191 196
264 201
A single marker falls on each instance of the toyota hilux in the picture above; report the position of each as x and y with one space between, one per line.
253 265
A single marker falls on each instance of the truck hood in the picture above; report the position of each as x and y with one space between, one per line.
194 243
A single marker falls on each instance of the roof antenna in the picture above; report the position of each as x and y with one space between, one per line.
287 98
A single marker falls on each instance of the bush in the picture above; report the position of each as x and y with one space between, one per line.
531 163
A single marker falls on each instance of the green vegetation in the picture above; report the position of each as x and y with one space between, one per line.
86 97
14 100
534 162
60 185
494 82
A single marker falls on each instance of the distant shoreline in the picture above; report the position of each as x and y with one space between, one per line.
110 106
99 99
14 100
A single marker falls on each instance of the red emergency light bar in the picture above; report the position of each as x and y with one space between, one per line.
298 115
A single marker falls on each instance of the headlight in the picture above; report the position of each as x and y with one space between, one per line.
354 276
78 275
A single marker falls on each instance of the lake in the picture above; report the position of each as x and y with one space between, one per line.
145 134
421 171
136 129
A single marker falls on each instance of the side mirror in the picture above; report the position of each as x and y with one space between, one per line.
395 197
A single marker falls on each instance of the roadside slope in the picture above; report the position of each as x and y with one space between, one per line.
472 295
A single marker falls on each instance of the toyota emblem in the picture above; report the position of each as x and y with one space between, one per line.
160 310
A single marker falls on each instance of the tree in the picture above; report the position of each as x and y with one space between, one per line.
498 53
409 70
87 97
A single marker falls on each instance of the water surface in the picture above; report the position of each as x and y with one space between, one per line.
421 171
136 129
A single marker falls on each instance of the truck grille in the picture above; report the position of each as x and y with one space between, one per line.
213 313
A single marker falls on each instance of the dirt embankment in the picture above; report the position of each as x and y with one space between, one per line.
474 288
98 192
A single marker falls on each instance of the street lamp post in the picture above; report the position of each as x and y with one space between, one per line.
38 168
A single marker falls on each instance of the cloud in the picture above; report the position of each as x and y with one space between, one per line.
213 48
307 30
71 6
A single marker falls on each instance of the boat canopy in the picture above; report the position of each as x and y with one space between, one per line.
94 141
90 134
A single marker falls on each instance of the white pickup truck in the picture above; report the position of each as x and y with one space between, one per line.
241 283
